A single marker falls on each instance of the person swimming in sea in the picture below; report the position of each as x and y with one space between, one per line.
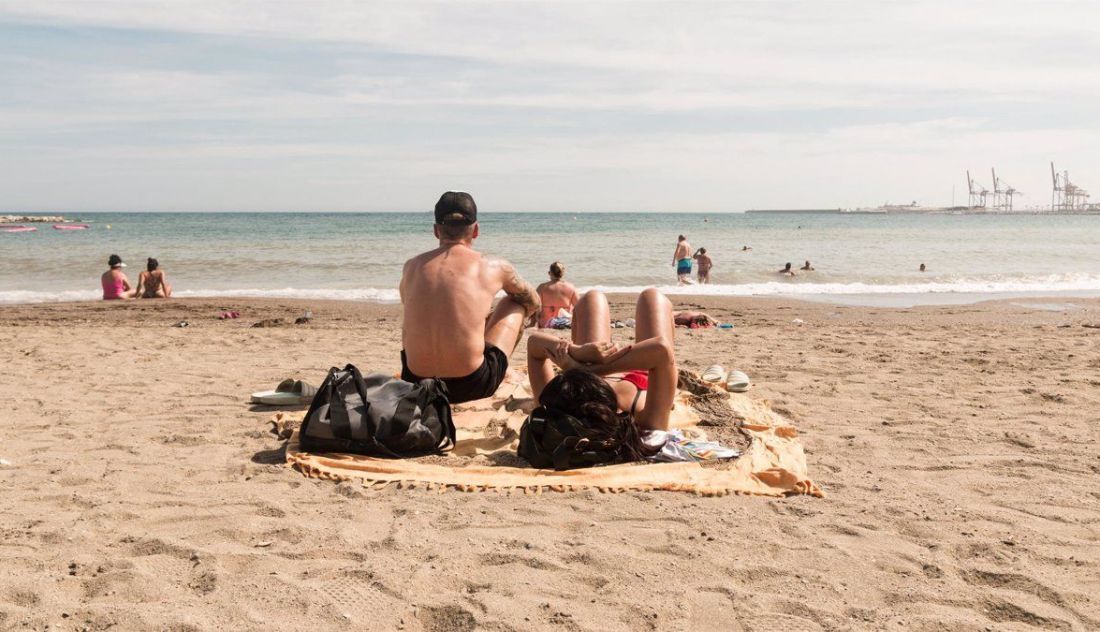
922 267
807 267
115 284
787 271
681 259
152 283
556 294
705 264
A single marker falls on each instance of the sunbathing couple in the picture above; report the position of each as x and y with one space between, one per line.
452 331
151 283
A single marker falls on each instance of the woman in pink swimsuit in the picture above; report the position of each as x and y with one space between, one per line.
114 281
556 295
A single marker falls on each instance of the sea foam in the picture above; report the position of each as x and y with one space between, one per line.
1037 285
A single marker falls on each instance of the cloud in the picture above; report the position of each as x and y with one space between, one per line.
670 105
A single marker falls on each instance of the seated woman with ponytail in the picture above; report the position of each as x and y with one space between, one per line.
615 401
558 296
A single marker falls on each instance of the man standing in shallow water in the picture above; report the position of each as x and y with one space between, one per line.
681 258
450 328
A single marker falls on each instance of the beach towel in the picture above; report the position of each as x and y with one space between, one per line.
484 458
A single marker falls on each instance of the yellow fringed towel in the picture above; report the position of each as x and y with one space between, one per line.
774 464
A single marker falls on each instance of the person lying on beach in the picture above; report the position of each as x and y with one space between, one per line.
705 264
601 381
693 320
787 270
807 267
115 284
556 295
152 283
450 329
681 259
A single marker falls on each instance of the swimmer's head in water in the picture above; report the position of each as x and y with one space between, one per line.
788 266
115 261
557 270
152 264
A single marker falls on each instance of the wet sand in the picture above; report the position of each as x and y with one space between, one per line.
959 447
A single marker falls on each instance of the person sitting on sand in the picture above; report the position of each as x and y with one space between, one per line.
114 281
681 259
705 264
450 329
556 295
600 381
152 283
693 320
786 271
807 267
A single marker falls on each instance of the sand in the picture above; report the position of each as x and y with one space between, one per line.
958 447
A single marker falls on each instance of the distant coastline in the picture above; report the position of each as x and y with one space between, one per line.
32 219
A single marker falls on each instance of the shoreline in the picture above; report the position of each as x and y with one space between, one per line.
899 300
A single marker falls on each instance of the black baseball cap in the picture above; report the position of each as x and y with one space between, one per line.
115 260
455 207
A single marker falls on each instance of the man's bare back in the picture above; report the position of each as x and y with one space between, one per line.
448 294
450 329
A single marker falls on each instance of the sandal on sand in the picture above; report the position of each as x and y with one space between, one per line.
288 393
714 374
737 382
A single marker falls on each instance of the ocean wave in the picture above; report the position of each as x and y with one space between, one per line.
794 287
1024 285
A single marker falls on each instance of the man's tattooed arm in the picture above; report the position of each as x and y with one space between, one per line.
518 289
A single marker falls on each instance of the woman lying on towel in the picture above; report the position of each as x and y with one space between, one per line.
604 385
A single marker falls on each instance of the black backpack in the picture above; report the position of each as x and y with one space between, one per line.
552 438
378 415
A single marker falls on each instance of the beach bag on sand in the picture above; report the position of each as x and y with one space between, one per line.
552 438
378 415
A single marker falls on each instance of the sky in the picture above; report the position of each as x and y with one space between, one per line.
540 106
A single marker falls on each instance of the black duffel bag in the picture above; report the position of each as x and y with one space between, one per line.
378 415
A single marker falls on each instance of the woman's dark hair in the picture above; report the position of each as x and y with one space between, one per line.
557 270
589 398
151 264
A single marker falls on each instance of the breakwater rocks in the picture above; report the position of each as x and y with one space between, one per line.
27 219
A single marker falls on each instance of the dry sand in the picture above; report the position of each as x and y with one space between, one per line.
958 447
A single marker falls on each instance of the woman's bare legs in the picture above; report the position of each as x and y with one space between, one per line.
591 323
591 319
653 316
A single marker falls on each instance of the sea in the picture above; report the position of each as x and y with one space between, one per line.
858 258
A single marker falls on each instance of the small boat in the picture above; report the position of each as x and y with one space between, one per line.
17 229
70 226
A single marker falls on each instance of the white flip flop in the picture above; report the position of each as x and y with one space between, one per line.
737 382
714 374
289 392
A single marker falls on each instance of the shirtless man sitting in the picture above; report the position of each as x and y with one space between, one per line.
451 329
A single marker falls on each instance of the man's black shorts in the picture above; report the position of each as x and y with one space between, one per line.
482 383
